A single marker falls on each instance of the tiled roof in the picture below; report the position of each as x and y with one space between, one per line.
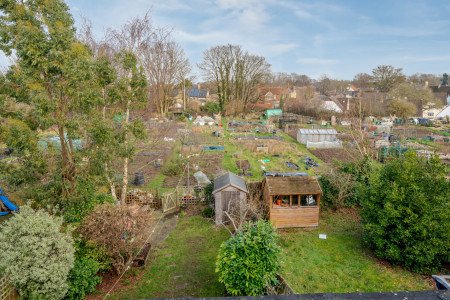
197 93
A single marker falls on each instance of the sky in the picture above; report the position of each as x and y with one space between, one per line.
337 38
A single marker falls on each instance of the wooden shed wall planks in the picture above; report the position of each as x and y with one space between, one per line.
295 217
285 217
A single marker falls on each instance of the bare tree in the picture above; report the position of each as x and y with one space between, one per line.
357 132
249 72
129 43
236 73
252 209
217 66
323 85
165 65
362 80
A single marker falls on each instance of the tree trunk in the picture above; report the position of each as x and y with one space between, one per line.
126 159
184 95
68 167
112 186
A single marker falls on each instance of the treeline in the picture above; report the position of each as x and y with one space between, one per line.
66 108
403 205
237 75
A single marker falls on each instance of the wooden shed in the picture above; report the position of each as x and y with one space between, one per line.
292 201
230 193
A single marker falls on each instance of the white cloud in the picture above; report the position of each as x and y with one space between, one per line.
251 15
281 48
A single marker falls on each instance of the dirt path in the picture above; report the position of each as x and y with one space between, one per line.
165 225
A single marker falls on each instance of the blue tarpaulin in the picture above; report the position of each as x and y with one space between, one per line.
209 148
7 203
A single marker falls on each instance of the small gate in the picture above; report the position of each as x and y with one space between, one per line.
182 196
169 202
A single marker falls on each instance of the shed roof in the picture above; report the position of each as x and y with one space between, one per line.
229 179
293 185
317 131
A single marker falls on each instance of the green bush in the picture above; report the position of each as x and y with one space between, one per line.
346 185
35 254
174 167
83 277
84 200
248 262
211 107
208 193
338 189
208 213
89 260
405 213
18 136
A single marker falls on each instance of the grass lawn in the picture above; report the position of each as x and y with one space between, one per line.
184 265
234 152
339 263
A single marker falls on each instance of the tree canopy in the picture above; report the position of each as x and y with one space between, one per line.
405 213
385 77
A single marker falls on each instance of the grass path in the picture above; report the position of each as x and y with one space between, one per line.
340 263
184 265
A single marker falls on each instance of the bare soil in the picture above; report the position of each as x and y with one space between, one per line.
331 155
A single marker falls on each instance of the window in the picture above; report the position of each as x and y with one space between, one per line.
285 201
281 201
308 200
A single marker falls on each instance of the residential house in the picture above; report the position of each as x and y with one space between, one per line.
444 113
273 95
442 92
197 93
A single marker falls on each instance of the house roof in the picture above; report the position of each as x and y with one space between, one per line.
352 88
444 112
229 179
195 92
274 90
331 106
293 185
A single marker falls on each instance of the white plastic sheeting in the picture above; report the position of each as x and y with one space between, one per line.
202 121
316 135
201 178
324 144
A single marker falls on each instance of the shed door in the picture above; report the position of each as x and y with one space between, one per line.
229 198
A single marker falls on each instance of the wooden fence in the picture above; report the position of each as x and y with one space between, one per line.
7 292
182 196
140 197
